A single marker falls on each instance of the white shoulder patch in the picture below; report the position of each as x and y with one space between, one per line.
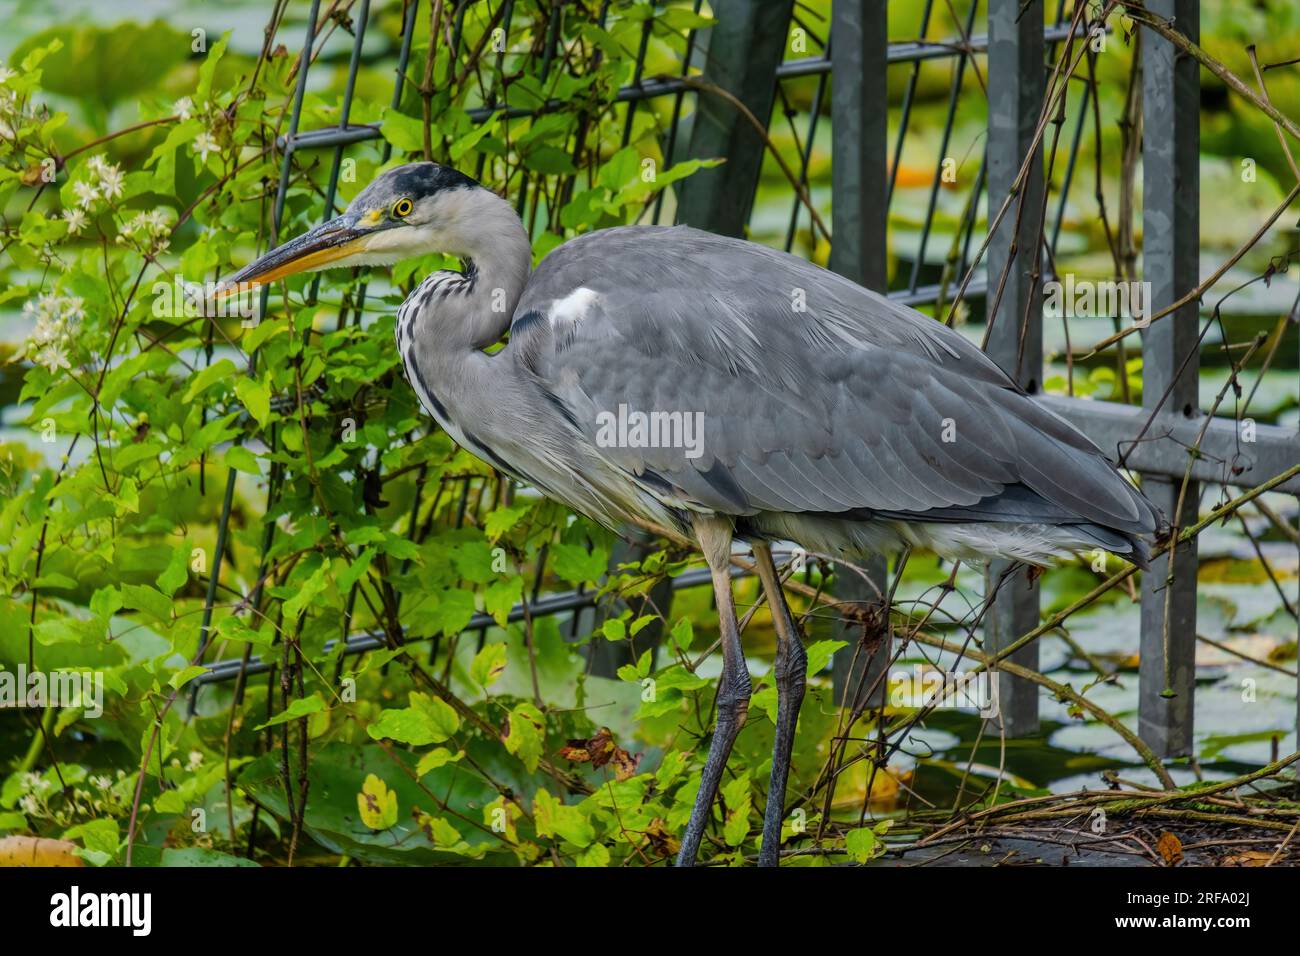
573 307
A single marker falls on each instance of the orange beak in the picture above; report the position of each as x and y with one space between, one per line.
328 242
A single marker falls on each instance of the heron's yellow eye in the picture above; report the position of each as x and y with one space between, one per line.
402 208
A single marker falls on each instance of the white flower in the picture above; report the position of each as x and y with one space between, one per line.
110 181
195 761
76 219
55 316
6 74
183 107
46 331
204 144
149 229
29 804
53 357
86 193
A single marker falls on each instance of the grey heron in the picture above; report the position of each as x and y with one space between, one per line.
828 415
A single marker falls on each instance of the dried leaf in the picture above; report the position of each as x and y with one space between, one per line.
1251 858
625 764
1171 848
660 841
35 851
600 750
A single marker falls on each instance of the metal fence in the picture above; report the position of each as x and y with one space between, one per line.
1166 439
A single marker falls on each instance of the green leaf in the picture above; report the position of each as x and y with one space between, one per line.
473 561
488 665
237 629
105 602
736 828
184 676
470 140
60 581
241 459
454 611
404 132
429 720
683 634
144 598
862 844
256 398
595 855
218 371
503 519
307 592
501 596
99 837
556 819
204 89
302 707
259 333
621 169
820 653
435 758
526 734
177 571
614 629
576 564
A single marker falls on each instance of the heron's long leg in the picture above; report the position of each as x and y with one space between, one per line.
714 535
790 672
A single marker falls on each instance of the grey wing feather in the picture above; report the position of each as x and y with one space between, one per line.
817 395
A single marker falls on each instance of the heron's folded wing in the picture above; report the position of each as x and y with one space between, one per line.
810 393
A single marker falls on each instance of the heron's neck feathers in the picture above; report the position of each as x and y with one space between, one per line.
475 306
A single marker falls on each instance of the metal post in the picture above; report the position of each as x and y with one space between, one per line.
1016 85
859 217
1170 238
746 46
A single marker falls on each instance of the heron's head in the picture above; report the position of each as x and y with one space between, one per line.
408 211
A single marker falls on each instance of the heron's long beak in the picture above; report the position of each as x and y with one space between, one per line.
328 242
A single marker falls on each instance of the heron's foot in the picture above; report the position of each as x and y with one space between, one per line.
791 674
733 707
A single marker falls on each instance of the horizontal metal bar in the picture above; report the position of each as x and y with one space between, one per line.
330 136
979 43
1226 456
224 670
929 294
664 86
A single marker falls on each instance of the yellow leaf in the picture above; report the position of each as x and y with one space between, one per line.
34 851
378 804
